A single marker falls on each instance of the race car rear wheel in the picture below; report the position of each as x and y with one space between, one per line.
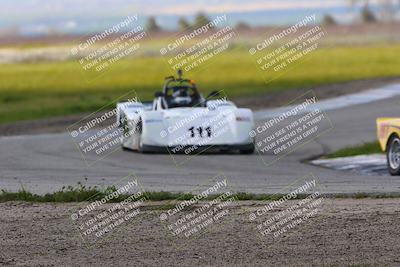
123 122
393 155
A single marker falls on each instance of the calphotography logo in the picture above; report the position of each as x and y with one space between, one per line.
99 134
288 210
194 217
286 129
106 213
284 48
197 46
99 52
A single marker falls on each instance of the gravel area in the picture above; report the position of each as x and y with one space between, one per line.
346 232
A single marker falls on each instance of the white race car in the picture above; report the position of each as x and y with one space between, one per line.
181 120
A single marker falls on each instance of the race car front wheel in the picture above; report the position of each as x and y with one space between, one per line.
247 151
393 155
139 129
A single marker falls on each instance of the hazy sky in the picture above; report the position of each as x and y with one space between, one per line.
32 8
70 15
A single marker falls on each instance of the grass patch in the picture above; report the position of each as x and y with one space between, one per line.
83 193
364 149
50 89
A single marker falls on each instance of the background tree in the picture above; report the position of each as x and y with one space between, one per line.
367 16
328 20
152 25
387 9
183 24
200 20
242 26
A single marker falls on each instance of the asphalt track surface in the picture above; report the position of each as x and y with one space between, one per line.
45 163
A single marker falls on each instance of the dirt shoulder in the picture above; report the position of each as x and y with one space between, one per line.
346 232
274 99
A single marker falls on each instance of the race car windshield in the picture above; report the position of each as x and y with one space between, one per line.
182 96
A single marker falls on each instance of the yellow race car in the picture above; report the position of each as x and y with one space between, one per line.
388 130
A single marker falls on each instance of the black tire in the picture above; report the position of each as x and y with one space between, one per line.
247 151
393 155
123 123
224 151
125 148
